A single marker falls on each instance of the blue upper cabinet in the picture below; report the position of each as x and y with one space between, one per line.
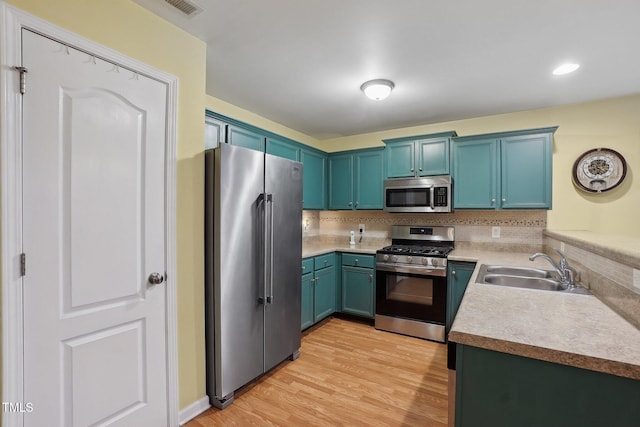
356 179
526 171
511 170
475 183
245 138
314 179
341 181
221 129
283 148
416 156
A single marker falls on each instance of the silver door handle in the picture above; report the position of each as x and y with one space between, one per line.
262 210
432 195
270 202
156 278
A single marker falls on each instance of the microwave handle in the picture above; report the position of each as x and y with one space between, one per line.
432 192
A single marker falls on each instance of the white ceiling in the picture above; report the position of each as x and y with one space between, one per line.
301 62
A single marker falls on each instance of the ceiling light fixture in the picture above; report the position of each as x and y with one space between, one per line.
377 89
566 69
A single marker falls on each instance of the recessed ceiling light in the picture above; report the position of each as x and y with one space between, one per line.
566 69
377 89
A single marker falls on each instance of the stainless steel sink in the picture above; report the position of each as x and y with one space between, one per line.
523 277
523 282
520 271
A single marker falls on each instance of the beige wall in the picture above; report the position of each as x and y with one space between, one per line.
136 32
613 123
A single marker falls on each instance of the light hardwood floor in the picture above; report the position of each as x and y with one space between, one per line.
348 374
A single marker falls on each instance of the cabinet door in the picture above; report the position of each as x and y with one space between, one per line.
400 159
245 138
475 171
282 148
307 300
324 293
215 133
341 181
433 157
368 180
458 277
314 180
526 172
358 291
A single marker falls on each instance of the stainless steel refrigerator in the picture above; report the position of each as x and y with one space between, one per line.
253 249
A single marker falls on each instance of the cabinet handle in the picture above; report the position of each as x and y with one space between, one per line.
420 169
504 200
349 203
453 273
356 203
356 261
493 201
412 170
370 278
325 262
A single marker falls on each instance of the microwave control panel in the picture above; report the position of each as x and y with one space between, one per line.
440 196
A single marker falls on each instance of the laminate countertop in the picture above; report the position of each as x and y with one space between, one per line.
569 329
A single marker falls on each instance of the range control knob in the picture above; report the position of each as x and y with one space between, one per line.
385 258
425 260
435 262
394 258
409 259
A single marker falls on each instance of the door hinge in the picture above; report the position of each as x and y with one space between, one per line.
23 264
23 78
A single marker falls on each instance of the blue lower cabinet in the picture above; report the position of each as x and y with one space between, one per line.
318 289
307 300
458 275
324 293
358 285
504 390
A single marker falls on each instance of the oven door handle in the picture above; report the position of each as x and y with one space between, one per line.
440 272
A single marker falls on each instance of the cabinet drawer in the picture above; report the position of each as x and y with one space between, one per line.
323 261
358 260
307 265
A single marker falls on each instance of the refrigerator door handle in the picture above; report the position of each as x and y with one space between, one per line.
270 204
262 212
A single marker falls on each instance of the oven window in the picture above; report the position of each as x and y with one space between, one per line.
418 290
411 296
407 197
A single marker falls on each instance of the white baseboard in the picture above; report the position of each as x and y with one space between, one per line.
193 410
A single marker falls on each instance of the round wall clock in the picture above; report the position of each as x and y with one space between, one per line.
599 170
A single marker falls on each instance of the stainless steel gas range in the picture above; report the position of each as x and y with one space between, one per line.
411 281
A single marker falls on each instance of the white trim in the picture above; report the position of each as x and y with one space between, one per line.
13 20
195 409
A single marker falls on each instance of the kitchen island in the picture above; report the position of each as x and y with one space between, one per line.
541 357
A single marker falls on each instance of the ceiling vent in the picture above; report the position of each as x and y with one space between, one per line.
187 7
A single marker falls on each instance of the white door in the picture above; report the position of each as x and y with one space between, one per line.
93 230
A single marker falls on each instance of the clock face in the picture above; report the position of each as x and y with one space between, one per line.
599 170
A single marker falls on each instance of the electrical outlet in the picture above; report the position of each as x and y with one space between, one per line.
361 227
562 247
495 232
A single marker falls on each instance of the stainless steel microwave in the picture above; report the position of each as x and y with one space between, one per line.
418 195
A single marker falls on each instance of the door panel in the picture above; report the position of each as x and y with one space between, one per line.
283 179
93 231
238 278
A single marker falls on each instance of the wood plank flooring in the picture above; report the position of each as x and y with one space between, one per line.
348 374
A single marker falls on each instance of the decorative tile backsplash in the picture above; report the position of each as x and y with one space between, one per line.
516 227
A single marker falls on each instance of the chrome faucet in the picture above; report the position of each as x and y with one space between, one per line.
566 272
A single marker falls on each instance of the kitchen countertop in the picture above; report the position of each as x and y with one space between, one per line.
318 248
569 329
